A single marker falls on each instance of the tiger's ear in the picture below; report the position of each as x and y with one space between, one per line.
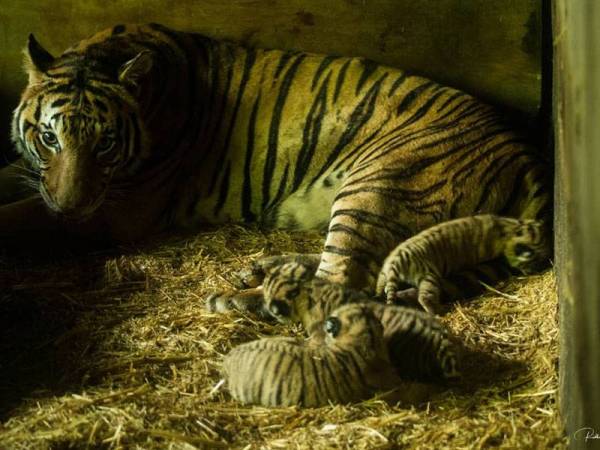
132 71
37 60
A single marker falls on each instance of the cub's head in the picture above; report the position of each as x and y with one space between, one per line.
354 325
528 247
287 291
77 123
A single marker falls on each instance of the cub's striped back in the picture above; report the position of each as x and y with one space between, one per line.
429 257
349 365
420 347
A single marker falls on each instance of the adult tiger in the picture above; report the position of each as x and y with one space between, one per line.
141 128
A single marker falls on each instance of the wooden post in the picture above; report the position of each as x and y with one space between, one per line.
577 215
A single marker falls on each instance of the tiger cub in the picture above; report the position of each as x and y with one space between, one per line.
418 345
293 295
427 258
349 365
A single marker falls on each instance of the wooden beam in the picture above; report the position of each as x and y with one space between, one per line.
577 215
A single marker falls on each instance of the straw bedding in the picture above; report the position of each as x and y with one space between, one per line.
113 349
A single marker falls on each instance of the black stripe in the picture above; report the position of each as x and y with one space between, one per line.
402 139
412 96
260 385
450 100
320 384
516 191
326 62
424 109
283 60
336 382
101 105
59 102
223 191
360 147
275 128
282 186
248 64
397 83
369 218
407 194
469 100
341 228
310 134
247 213
361 256
60 89
358 118
38 109
396 174
340 80
302 384
477 110
359 373
368 68
284 374
488 152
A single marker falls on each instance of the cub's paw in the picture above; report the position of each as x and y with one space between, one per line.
253 276
431 304
249 277
409 296
247 301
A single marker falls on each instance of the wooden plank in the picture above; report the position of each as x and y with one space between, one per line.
577 215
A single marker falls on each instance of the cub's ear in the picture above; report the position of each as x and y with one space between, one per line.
132 71
37 60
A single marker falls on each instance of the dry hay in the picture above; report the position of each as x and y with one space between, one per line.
114 350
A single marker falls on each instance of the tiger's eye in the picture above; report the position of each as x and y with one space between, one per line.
523 251
49 138
105 143
292 294
279 308
333 326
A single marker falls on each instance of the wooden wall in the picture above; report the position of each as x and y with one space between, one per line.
577 214
490 48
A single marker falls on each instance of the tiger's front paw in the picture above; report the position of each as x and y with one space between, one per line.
247 301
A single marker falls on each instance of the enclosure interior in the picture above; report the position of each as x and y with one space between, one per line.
113 346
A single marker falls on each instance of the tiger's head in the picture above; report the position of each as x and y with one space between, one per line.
528 248
287 291
77 124
355 326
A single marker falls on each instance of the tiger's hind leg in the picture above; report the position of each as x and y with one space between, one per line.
430 294
472 282
463 285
